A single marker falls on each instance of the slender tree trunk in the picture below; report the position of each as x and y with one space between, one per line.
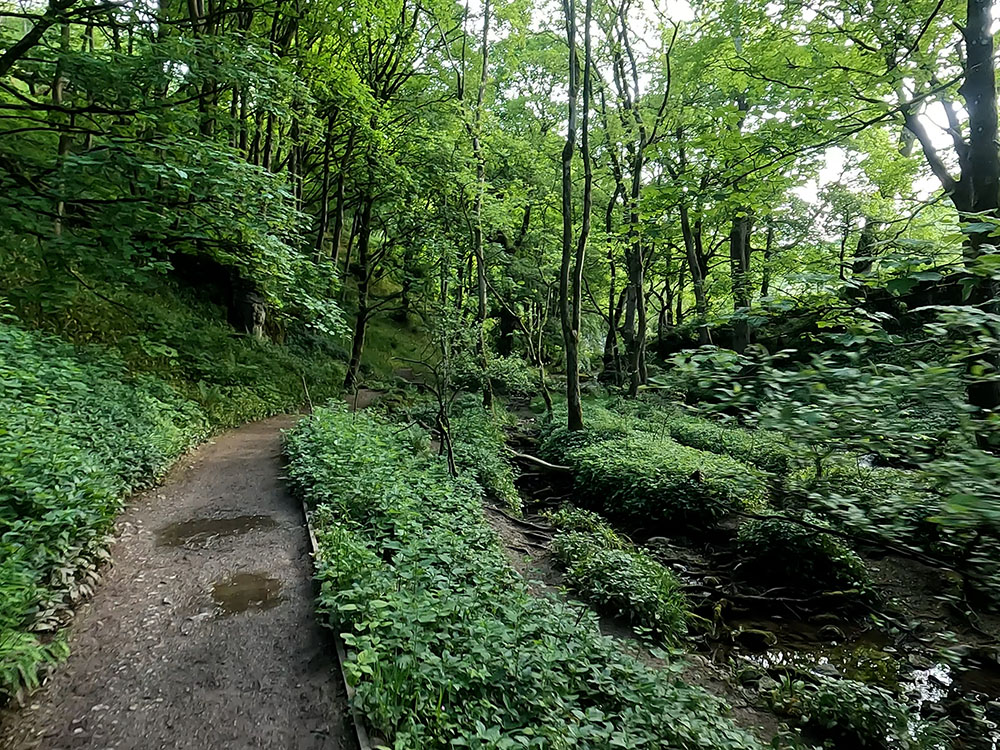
65 139
361 321
679 312
697 280
324 196
265 159
571 268
636 316
338 221
611 369
739 259
477 229
765 276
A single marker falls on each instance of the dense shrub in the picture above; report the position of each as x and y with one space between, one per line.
512 376
892 502
449 648
570 518
784 553
601 424
856 715
657 480
765 450
622 580
478 442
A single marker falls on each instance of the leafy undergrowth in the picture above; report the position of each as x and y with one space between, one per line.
86 425
798 557
611 573
479 441
449 646
627 468
856 715
607 418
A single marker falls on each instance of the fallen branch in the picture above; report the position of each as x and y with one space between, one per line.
539 462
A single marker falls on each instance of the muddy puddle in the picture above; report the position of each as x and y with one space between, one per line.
198 531
246 592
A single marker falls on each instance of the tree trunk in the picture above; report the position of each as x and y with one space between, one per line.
981 177
765 277
338 220
611 367
679 313
364 280
697 279
324 197
976 193
739 261
477 229
865 252
570 306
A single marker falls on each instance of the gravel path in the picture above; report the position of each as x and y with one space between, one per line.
202 634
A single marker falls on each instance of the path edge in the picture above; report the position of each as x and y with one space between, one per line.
361 733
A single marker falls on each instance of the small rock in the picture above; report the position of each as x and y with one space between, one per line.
756 640
831 633
100 707
167 600
750 675
919 662
767 684
826 669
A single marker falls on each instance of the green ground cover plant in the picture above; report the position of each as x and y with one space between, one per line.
478 440
652 479
629 466
623 581
78 433
856 715
765 450
449 648
84 425
570 518
773 550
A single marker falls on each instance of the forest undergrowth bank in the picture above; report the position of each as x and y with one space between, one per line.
448 645
99 413
814 633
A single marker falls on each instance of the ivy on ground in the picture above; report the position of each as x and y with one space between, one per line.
449 648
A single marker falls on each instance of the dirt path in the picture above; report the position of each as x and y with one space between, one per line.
202 634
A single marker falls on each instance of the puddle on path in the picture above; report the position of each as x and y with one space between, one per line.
201 530
246 591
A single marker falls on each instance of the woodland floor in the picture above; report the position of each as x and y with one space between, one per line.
202 634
